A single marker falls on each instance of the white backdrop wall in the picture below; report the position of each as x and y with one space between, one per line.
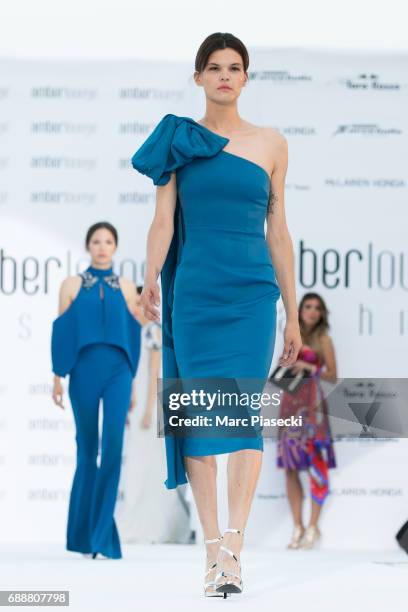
67 132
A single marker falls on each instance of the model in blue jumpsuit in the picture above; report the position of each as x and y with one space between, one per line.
97 342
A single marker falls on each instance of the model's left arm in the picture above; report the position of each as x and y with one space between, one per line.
131 297
281 248
154 373
330 371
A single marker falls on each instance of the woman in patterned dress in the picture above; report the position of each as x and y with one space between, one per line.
309 447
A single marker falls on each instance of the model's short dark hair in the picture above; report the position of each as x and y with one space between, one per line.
220 40
101 225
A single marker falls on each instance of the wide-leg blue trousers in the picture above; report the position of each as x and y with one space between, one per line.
102 372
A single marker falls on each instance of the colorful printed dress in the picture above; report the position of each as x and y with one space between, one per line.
310 446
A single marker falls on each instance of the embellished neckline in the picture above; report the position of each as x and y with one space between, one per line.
99 271
92 276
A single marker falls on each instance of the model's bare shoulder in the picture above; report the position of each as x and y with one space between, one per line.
327 346
274 138
71 285
275 146
326 340
69 289
271 131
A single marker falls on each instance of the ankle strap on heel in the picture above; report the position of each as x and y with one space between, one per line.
214 540
232 530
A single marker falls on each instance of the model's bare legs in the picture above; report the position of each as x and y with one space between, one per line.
294 492
300 538
202 476
243 471
316 510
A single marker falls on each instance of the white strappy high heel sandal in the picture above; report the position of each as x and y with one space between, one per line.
209 585
297 535
311 538
223 582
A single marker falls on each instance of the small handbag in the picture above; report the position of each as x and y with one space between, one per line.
288 380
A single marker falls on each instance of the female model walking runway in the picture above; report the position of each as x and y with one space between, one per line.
96 340
207 240
309 447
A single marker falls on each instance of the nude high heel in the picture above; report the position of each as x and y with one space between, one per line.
297 535
209 585
224 579
311 539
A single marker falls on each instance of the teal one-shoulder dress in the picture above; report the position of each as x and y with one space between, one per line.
219 288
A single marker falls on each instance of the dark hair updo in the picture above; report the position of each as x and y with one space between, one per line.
220 40
101 225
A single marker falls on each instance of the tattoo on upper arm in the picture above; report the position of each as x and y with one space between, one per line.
272 199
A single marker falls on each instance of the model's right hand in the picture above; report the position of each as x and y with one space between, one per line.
57 393
146 421
150 299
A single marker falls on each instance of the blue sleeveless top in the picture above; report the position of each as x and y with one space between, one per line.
99 314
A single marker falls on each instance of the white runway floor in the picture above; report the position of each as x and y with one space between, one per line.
169 578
